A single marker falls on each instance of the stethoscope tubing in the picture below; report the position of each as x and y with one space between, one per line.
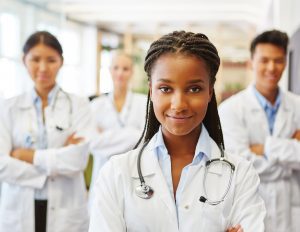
145 191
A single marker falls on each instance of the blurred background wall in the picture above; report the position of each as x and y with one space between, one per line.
89 30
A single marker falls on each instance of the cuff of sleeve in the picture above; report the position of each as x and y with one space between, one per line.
268 148
43 160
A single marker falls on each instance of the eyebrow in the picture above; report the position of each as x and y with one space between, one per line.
190 82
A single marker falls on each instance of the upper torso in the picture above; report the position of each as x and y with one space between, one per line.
61 168
119 179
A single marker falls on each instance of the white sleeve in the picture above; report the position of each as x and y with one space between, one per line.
14 171
72 158
107 205
115 141
248 209
237 142
284 151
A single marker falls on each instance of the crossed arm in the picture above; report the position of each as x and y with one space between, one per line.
259 149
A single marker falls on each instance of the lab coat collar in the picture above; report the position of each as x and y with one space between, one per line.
26 101
149 160
254 104
52 94
202 146
284 112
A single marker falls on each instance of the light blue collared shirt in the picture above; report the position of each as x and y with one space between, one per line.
41 137
164 159
270 110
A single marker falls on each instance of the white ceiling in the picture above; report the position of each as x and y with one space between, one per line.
229 23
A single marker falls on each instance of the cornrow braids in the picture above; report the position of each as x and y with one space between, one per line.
190 44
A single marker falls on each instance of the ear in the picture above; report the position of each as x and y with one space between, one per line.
23 59
62 61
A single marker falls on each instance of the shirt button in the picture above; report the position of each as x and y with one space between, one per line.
52 208
186 207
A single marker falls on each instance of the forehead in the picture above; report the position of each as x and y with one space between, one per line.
268 50
121 59
179 67
42 49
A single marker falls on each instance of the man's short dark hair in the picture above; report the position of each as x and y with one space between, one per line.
275 37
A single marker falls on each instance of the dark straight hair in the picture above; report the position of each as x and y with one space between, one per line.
42 37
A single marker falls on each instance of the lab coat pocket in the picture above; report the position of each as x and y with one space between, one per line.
10 221
75 220
212 218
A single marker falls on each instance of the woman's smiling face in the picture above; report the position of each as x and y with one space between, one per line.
180 91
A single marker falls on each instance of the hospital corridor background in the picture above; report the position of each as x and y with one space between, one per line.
53 144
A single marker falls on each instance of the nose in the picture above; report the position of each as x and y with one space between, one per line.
271 65
179 102
43 66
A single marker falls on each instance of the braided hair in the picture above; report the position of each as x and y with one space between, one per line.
186 43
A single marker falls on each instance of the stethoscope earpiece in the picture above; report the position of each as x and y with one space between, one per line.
144 191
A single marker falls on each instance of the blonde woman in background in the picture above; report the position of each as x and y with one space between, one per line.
120 115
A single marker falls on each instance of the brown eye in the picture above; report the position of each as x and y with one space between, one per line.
165 89
195 89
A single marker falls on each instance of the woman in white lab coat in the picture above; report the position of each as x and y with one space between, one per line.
168 185
44 149
120 115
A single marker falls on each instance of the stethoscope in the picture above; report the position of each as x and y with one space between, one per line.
145 191
32 139
57 127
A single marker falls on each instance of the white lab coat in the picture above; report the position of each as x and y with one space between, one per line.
118 208
60 167
244 123
120 131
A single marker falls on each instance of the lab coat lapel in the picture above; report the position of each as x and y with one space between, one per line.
29 119
154 177
257 115
283 117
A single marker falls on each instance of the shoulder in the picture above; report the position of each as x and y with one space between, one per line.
100 100
139 99
235 100
16 101
76 100
120 166
291 98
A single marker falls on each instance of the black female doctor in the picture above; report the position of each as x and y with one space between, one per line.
169 186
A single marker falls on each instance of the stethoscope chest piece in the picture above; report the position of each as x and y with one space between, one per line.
144 191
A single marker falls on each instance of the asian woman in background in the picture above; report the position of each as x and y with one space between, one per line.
44 148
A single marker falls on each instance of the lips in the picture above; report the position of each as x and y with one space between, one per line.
179 119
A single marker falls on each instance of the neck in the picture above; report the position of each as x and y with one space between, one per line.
270 95
178 145
43 94
120 93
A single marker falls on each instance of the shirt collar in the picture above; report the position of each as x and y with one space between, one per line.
36 98
265 103
202 147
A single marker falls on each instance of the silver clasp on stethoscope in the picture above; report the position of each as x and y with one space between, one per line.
143 190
